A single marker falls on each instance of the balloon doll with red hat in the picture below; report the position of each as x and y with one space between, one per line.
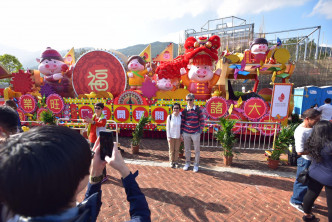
201 55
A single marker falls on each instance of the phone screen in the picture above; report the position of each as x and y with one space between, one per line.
106 144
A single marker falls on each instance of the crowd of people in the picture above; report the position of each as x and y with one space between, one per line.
313 144
56 163
43 170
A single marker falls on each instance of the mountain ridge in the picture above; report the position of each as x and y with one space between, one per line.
28 59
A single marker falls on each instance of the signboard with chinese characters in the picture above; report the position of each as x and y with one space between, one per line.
99 71
39 111
159 114
85 111
107 111
21 114
254 108
268 129
237 126
27 103
138 112
280 101
55 103
216 107
121 113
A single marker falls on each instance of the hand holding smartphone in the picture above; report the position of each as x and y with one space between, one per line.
106 144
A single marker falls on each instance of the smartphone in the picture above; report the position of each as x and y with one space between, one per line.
106 144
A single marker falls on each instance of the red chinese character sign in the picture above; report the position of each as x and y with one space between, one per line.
138 113
99 71
55 103
85 111
121 114
254 108
27 103
159 115
107 112
237 126
216 107
269 128
39 111
21 114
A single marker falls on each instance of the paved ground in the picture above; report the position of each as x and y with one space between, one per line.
247 191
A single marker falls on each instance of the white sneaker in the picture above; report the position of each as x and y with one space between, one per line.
195 169
186 166
298 207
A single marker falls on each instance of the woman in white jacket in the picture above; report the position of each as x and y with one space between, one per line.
173 128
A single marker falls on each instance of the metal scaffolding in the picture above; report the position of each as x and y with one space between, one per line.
236 34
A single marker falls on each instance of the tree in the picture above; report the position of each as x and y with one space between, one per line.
11 63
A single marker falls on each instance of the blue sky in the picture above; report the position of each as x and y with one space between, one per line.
34 25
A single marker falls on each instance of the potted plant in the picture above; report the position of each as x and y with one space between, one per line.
138 134
227 139
47 117
282 141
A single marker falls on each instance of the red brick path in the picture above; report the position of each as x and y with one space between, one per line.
177 195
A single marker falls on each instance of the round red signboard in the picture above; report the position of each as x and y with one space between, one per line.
159 115
55 103
27 103
107 112
254 108
268 129
99 71
138 112
85 111
21 114
39 111
216 107
121 114
237 126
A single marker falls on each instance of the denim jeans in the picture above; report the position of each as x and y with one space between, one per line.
299 190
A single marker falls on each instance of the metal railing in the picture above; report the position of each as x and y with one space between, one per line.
82 126
250 135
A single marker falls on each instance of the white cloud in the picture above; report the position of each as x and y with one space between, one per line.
323 7
34 25
243 7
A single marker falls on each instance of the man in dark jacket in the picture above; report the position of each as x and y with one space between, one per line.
43 170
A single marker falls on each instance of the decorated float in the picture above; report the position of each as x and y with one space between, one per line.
139 85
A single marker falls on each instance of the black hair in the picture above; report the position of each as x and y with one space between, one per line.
176 104
40 170
101 105
259 41
328 100
321 135
11 104
8 119
311 113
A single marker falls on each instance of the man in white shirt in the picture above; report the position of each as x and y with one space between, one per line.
326 110
301 134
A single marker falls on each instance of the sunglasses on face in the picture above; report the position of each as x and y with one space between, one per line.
97 108
189 100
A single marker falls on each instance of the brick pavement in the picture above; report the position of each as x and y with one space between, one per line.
209 195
